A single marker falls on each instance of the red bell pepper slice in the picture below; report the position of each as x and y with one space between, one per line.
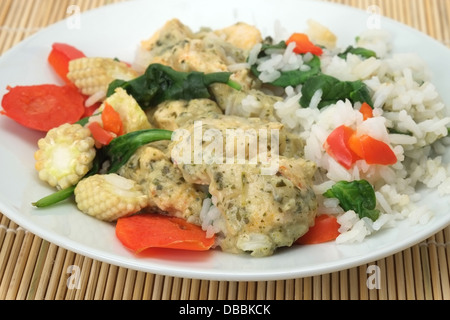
43 107
303 44
60 56
337 146
372 150
111 120
366 111
100 135
151 230
325 229
345 146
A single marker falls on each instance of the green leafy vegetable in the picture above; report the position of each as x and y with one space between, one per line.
365 53
333 90
357 195
160 83
313 79
295 77
116 154
288 78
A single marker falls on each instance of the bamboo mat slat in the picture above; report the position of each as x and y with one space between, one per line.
32 268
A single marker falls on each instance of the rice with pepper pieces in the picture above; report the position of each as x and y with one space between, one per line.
404 101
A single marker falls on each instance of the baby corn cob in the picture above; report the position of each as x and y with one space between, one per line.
65 155
93 75
108 197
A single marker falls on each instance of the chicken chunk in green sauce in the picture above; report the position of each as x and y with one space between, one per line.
260 211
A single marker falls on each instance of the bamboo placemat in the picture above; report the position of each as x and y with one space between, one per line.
33 268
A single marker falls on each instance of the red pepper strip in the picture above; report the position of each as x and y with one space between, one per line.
373 151
326 228
337 146
151 230
60 56
99 134
366 111
303 44
111 120
43 107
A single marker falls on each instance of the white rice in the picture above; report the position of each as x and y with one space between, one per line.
211 217
96 97
276 61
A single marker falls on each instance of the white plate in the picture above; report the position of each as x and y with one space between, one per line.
115 31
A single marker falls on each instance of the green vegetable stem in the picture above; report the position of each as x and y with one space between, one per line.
120 149
55 197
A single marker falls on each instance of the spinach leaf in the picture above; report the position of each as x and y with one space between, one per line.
333 90
313 79
363 52
288 78
160 83
295 77
357 195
